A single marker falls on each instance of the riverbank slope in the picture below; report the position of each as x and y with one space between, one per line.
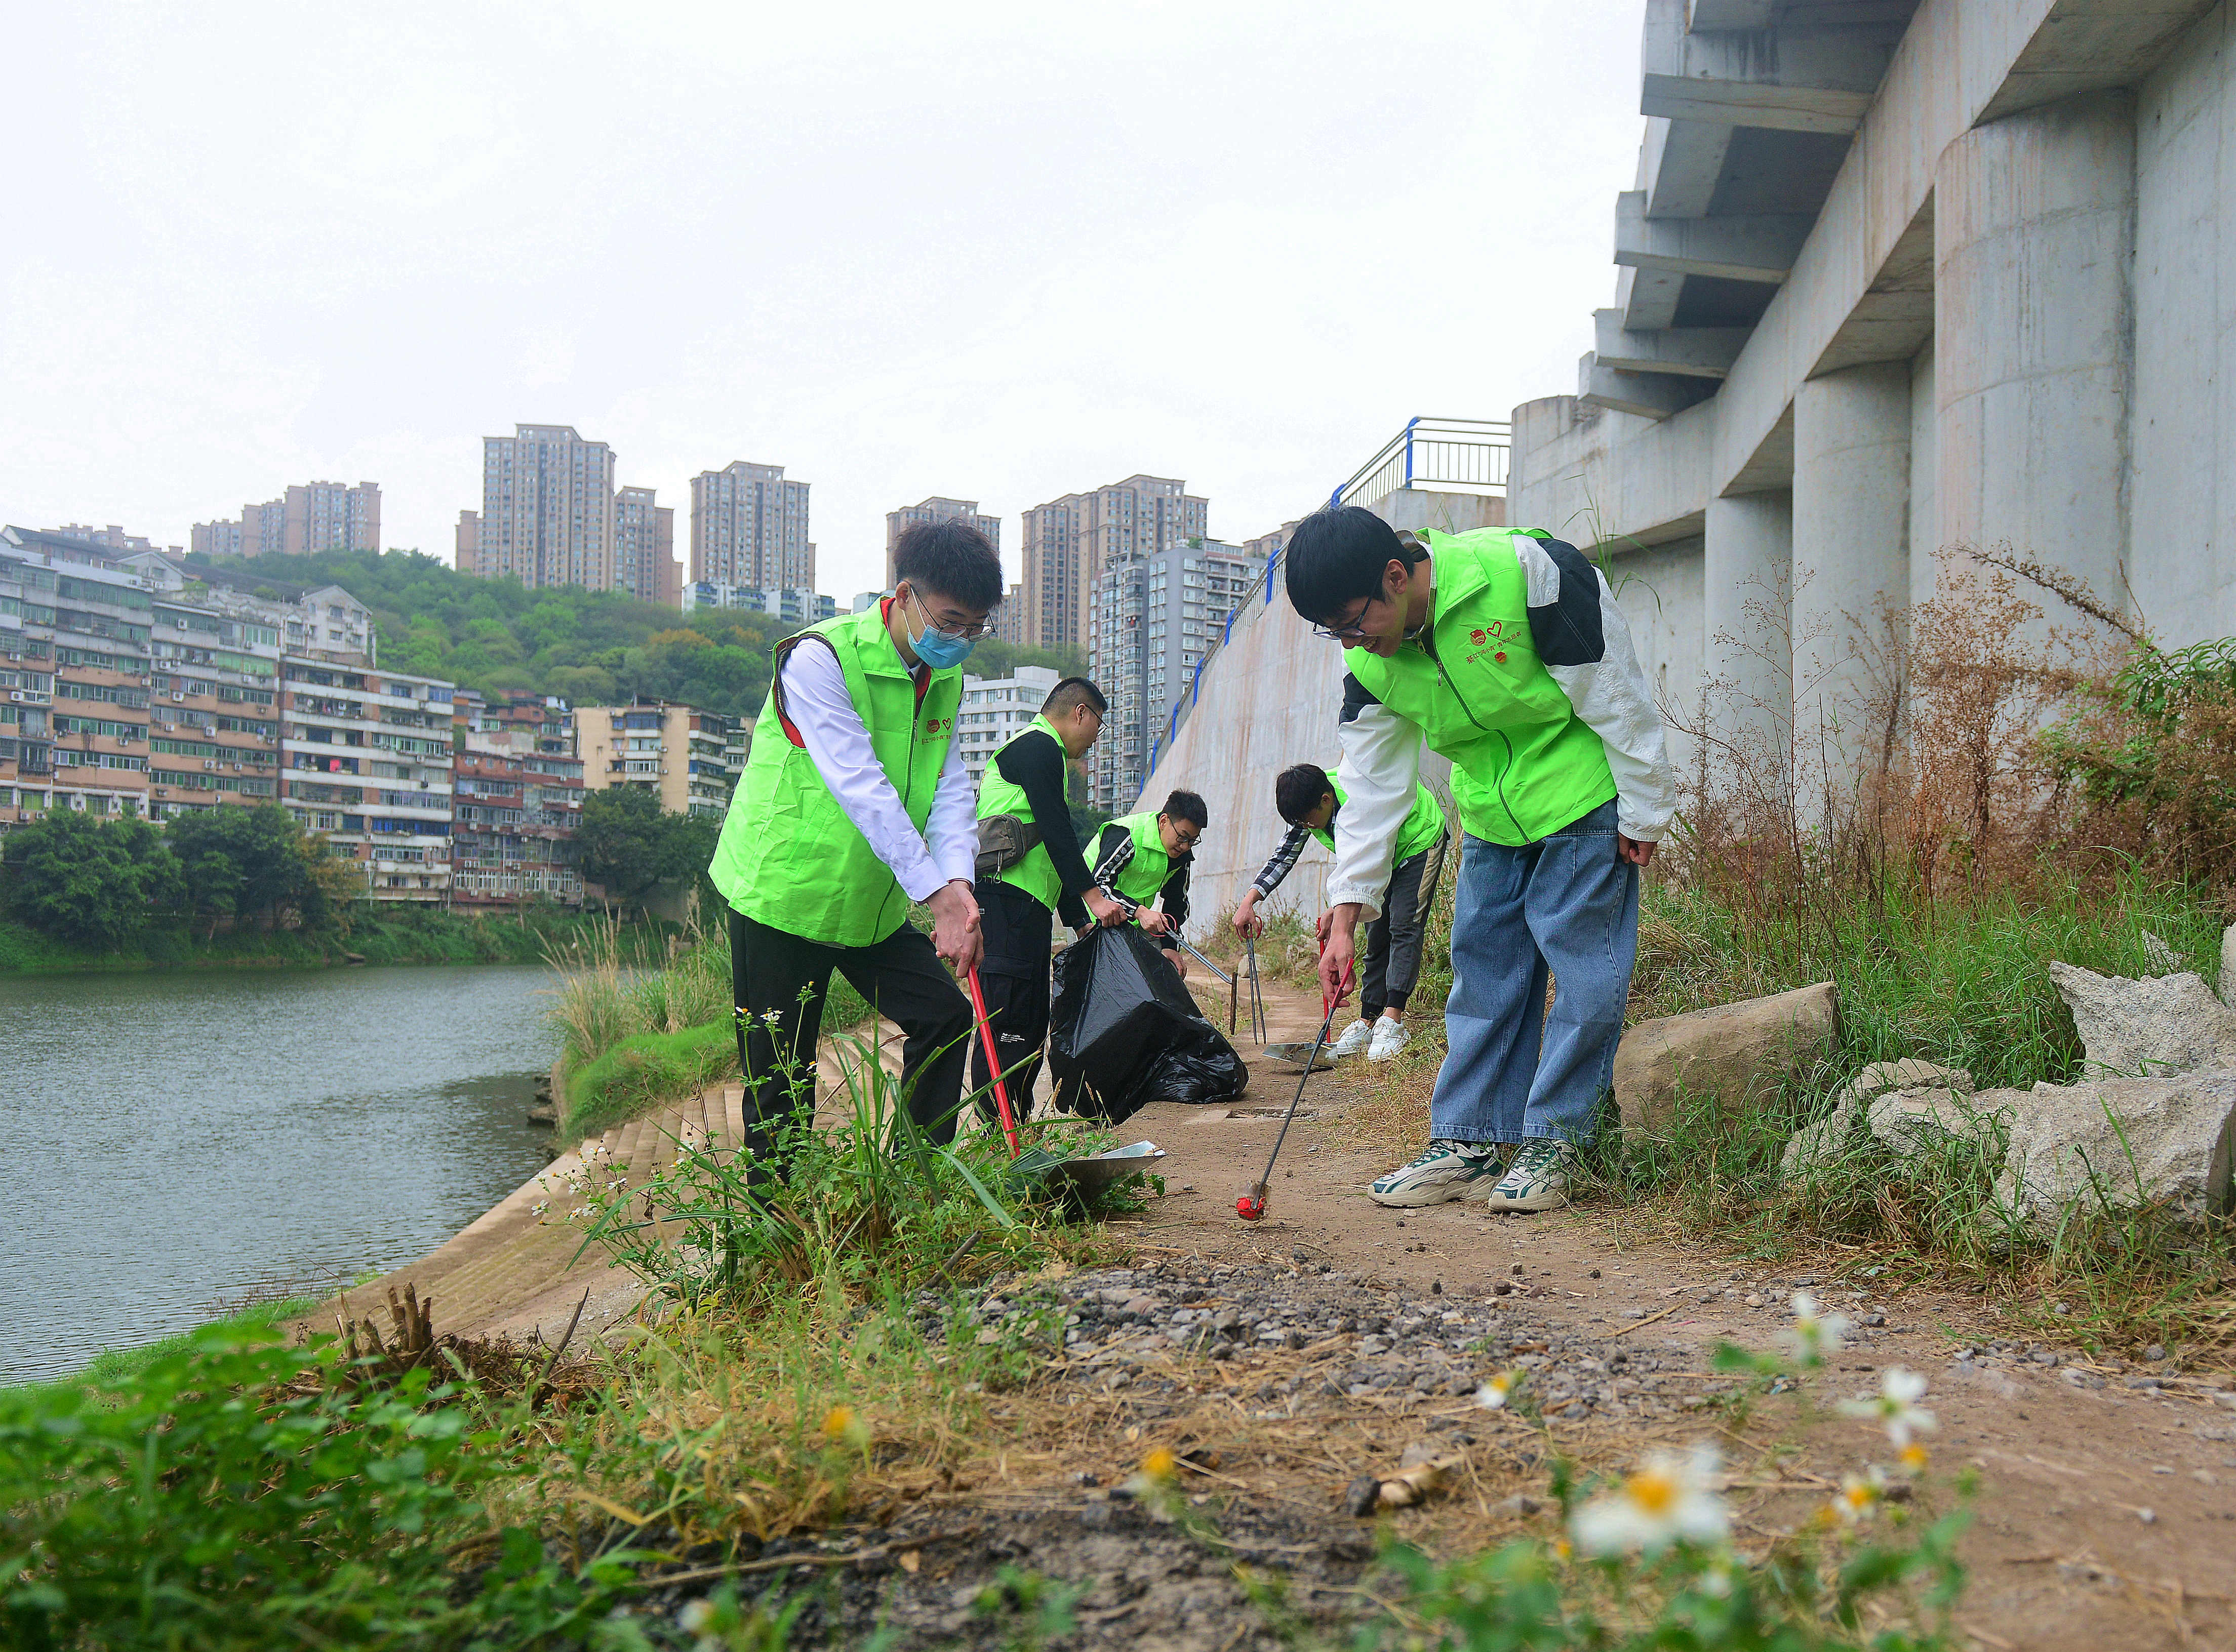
402 937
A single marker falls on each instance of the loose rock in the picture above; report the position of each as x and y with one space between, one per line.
1738 1053
2165 1025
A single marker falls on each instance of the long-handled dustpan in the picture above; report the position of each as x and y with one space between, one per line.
1087 1176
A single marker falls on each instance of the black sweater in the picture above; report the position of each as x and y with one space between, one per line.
1035 764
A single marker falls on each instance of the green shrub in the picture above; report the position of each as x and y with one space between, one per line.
227 1496
647 1069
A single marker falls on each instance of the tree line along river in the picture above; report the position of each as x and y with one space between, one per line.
171 1143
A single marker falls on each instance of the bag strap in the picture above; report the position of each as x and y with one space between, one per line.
777 655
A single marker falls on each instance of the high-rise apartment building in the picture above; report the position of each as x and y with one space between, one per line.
749 527
1069 542
367 761
644 547
546 515
794 607
1156 619
312 516
936 509
1009 618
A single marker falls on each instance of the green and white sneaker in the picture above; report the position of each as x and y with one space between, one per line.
1538 1178
1445 1172
1354 1039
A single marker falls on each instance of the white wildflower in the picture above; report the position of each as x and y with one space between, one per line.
1494 1393
1814 1333
1860 1495
1895 1406
1666 1500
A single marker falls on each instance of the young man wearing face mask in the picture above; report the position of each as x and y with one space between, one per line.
1019 905
855 803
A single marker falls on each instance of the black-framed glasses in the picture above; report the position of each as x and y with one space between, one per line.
1354 632
965 633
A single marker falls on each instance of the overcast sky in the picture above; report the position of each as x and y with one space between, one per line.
994 251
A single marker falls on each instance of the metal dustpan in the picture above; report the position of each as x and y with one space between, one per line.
1096 1172
1296 1055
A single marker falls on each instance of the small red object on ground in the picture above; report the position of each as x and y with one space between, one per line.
1249 1208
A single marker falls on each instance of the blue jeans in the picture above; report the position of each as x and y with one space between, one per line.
1567 905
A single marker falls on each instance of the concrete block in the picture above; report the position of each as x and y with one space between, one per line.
1646 299
1739 248
1680 165
1796 76
1738 1053
1648 395
1731 14
2117 1143
1695 352
2166 1024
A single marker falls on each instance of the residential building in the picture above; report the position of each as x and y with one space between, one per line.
367 761
516 722
466 543
516 811
1156 619
120 691
793 607
644 547
1069 541
936 509
749 528
1049 545
548 508
322 622
312 516
864 600
75 654
689 759
1009 618
112 539
994 708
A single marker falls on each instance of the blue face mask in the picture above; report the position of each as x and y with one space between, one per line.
936 649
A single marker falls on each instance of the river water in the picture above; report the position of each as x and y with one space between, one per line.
170 1144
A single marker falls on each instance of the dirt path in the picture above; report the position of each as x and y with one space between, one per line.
2107 1510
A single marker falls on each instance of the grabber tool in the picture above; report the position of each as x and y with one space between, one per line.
1251 1205
1258 1027
1174 936
993 1064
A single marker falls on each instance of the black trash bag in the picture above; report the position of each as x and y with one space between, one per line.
1123 1032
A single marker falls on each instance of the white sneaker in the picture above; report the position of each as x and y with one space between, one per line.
1538 1179
1389 1037
1353 1040
1445 1172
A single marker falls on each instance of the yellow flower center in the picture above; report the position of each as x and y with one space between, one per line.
1916 1457
1653 1490
1159 1464
837 1421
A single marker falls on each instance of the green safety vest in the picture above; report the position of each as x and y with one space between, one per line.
1036 873
1423 826
1523 764
1146 873
788 855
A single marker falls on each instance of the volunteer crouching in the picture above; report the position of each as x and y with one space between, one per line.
855 803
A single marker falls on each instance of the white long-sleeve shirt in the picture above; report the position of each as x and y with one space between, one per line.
1584 641
837 744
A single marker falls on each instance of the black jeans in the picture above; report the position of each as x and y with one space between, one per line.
1393 963
1014 976
779 980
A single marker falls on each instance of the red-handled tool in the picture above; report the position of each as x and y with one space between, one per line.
993 1064
1251 1205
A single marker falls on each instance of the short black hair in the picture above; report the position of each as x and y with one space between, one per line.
1336 555
951 559
1187 805
1071 694
1297 790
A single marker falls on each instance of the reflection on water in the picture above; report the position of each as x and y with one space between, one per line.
168 1140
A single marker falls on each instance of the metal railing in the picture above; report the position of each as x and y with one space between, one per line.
1451 455
1447 455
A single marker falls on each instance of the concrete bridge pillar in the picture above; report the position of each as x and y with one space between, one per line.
2034 223
1850 575
1747 577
